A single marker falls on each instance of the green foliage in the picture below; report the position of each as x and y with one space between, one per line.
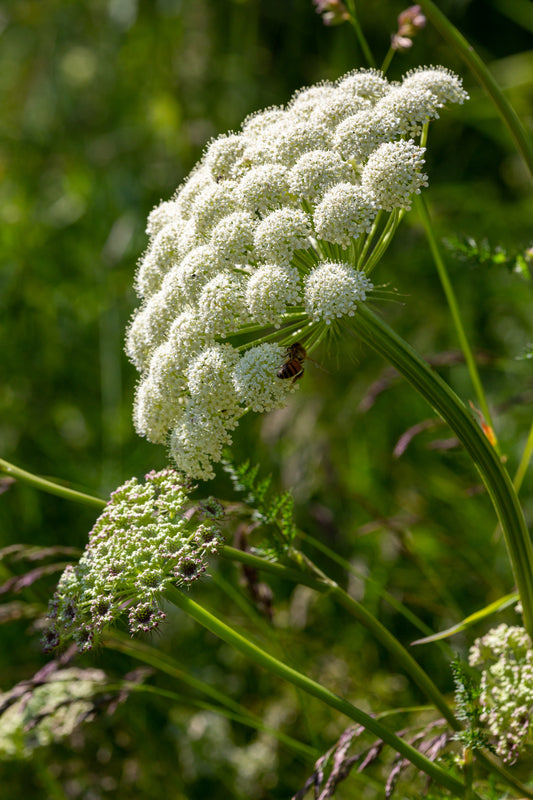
482 253
267 507
106 106
469 710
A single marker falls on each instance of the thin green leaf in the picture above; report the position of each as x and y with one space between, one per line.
492 608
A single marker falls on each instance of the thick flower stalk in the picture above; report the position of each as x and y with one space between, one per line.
505 656
149 537
269 243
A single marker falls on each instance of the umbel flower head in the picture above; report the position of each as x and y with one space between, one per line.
150 536
269 243
505 656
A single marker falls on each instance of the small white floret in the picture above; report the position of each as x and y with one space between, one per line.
221 305
193 186
260 121
198 440
337 107
139 343
333 290
150 415
306 100
345 212
224 154
256 381
393 174
263 189
270 289
161 215
280 233
315 172
212 204
168 246
444 84
209 378
192 273
293 138
362 133
368 83
233 238
408 108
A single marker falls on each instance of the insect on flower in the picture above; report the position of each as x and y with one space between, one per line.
292 367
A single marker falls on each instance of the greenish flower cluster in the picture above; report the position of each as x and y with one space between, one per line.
150 536
46 713
505 657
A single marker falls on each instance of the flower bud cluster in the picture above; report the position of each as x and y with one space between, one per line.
410 21
147 539
263 237
505 656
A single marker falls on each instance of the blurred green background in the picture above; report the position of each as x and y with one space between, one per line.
106 106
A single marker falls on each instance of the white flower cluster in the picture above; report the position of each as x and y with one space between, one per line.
263 235
147 538
505 655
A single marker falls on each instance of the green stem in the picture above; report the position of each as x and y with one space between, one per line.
357 610
389 598
368 240
475 63
384 240
524 461
380 337
49 486
421 207
387 60
363 44
222 703
265 660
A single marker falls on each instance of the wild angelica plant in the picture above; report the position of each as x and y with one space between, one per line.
272 241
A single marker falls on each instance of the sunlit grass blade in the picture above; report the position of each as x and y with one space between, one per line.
472 619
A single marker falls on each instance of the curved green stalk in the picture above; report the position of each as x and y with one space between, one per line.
389 598
260 623
364 247
353 607
222 703
476 64
383 242
265 660
357 610
421 207
49 486
381 338
524 461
